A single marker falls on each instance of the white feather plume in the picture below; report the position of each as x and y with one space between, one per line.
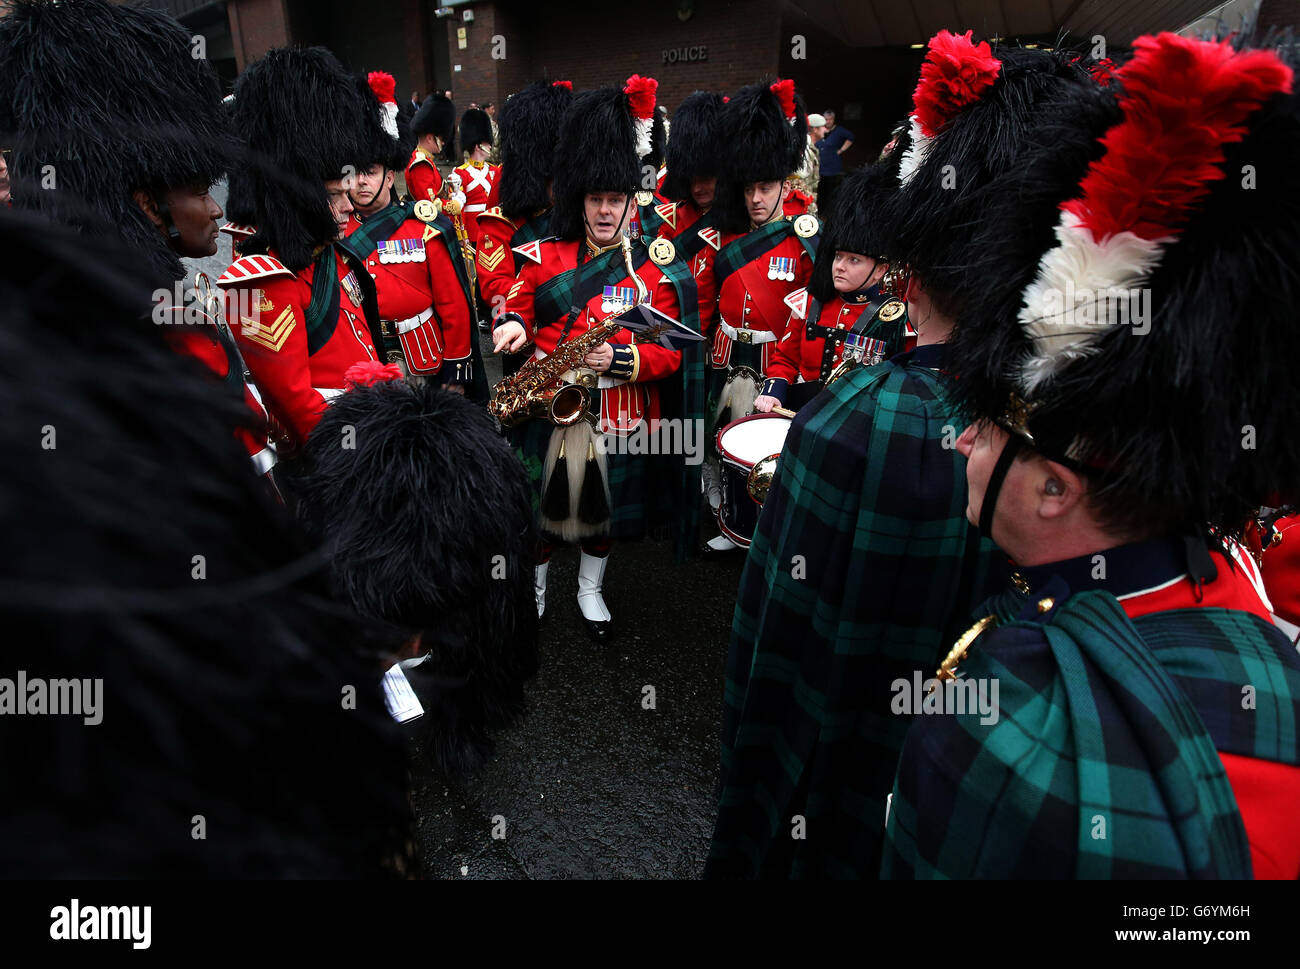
914 157
390 118
1081 288
643 128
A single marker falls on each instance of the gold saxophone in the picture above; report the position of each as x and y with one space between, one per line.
539 387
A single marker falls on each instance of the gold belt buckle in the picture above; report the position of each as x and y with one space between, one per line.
745 336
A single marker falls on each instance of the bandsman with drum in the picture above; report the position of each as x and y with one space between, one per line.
764 255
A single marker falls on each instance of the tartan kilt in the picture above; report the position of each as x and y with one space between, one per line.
629 479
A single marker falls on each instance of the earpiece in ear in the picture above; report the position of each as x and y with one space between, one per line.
1054 488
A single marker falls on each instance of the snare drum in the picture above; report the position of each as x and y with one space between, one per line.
745 445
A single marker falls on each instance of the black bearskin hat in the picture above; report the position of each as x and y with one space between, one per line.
945 194
1130 323
305 121
142 553
437 116
98 100
695 148
389 149
764 132
475 129
597 152
530 127
429 519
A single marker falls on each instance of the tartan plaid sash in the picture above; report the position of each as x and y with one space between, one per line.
572 289
651 221
322 313
741 252
538 227
1098 741
375 231
688 241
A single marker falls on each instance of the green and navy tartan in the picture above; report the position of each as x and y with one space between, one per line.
852 577
1103 761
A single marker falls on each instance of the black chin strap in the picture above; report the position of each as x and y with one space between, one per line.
990 504
173 233
623 228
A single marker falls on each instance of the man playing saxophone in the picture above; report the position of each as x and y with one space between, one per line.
595 482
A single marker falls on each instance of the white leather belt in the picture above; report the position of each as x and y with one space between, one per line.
476 207
406 326
746 335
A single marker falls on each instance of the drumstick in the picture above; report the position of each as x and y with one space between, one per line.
783 412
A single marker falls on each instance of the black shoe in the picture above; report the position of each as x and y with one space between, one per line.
600 633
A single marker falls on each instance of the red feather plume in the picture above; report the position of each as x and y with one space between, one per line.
568 85
955 73
640 93
369 372
384 85
1184 99
784 91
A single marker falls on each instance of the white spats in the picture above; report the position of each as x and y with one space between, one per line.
539 587
591 583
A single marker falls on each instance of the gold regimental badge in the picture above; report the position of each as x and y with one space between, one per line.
644 198
805 227
662 252
892 310
427 211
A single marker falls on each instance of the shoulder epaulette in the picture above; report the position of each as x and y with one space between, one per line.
798 302
420 155
239 231
496 213
248 268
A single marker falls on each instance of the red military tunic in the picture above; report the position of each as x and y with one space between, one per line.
1265 790
423 180
680 218
495 260
751 299
476 181
628 392
204 343
421 300
295 386
799 356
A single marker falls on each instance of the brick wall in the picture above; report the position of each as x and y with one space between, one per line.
593 44
256 26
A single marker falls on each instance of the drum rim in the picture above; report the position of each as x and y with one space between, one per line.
735 459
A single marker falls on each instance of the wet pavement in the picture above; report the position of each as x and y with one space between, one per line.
591 783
